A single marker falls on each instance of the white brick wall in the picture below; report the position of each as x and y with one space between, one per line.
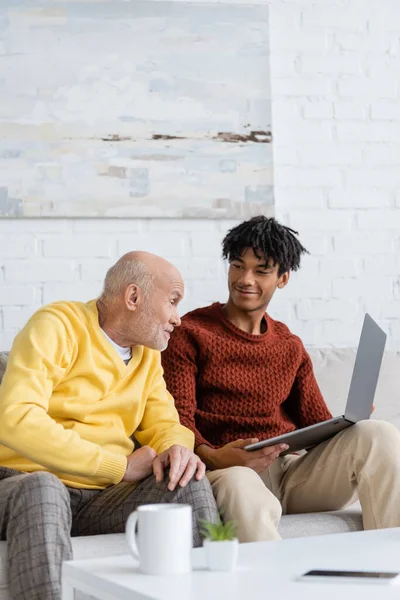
47 260
336 122
343 89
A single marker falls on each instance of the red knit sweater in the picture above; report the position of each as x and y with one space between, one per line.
229 384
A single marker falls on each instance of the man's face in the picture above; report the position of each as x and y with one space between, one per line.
160 312
253 280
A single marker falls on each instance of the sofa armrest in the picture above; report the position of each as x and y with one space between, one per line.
3 363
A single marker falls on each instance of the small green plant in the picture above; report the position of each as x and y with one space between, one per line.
218 532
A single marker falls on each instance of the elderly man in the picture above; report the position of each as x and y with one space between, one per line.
81 380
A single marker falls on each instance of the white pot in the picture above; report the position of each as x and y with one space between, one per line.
221 556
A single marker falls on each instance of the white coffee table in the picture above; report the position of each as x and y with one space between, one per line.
265 570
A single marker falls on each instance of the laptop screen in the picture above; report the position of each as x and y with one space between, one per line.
366 371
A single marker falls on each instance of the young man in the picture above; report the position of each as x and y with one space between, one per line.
80 381
239 376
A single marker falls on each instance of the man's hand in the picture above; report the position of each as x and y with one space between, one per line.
140 464
182 463
233 455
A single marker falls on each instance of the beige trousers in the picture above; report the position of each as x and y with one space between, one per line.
362 461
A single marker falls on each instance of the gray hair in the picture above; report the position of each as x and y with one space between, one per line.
124 273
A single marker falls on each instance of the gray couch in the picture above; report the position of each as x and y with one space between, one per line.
333 369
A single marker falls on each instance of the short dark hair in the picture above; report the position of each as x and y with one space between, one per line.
266 237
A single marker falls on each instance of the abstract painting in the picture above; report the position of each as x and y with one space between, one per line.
134 108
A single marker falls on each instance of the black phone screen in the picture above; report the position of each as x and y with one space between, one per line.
358 574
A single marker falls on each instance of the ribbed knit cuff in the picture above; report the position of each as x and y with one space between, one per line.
112 467
186 440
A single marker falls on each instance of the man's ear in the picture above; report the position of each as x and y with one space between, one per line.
133 296
283 280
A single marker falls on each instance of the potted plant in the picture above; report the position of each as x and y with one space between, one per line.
220 544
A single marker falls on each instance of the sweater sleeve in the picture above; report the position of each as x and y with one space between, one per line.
160 427
180 370
305 404
40 356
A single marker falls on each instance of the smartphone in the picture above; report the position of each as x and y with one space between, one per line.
351 576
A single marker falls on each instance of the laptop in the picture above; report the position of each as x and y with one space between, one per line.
359 401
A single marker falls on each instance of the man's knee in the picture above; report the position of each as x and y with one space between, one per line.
198 488
246 486
44 482
235 478
242 495
200 495
36 490
375 432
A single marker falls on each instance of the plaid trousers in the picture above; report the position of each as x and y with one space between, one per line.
38 515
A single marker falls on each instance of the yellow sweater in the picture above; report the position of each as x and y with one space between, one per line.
69 404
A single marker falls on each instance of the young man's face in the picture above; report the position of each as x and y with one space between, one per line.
253 280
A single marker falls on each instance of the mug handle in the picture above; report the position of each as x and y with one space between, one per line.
131 534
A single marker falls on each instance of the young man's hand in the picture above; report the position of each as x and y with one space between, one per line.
182 463
139 464
233 455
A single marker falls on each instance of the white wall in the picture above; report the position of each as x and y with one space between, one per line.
336 122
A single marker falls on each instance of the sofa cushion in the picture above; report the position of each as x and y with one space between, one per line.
333 368
324 523
3 363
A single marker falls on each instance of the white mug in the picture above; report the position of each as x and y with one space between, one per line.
163 544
